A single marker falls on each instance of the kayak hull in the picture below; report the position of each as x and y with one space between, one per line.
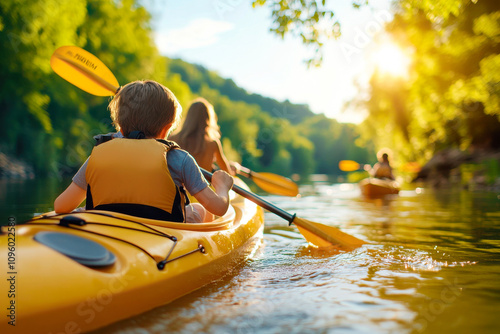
373 187
155 263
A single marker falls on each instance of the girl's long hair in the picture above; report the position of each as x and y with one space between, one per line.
199 123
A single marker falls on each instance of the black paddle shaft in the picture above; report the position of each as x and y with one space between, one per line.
256 199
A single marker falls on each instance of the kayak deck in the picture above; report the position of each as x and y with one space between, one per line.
154 263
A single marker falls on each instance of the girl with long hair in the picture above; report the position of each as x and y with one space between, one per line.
200 136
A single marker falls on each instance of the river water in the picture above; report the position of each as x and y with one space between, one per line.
431 265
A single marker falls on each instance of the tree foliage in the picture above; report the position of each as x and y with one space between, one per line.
48 123
332 142
197 77
268 135
451 98
29 33
309 20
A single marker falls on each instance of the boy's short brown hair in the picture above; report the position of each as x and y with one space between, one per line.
145 106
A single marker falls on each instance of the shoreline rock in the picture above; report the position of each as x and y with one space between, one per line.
446 169
11 168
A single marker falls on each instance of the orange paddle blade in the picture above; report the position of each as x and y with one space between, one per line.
348 165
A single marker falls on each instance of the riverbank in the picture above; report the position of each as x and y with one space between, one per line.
473 171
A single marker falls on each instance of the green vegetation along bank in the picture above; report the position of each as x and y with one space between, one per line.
48 124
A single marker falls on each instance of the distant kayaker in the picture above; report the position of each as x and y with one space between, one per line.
382 169
200 136
141 173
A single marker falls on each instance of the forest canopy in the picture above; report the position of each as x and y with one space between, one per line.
49 123
450 96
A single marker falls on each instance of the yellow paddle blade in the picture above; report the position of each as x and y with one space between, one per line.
84 70
275 184
325 236
314 239
348 165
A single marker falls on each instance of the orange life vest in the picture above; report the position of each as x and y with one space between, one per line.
131 176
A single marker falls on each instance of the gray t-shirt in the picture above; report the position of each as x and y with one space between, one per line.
182 166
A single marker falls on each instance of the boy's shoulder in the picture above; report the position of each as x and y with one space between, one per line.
169 144
178 152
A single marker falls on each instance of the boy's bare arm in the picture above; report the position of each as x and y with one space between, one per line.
69 199
216 202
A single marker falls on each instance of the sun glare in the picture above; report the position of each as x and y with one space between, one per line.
390 59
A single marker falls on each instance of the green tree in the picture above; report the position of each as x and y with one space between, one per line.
451 98
49 123
46 121
309 20
29 33
198 77
333 142
268 135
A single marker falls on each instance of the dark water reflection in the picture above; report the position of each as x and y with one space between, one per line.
23 198
432 265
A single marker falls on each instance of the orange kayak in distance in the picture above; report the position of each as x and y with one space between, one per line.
373 187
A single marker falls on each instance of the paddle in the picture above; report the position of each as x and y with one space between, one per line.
84 70
317 234
271 183
351 165
87 72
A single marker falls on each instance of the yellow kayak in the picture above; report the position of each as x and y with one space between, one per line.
77 272
373 187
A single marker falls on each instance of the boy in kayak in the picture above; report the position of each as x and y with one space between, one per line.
140 173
